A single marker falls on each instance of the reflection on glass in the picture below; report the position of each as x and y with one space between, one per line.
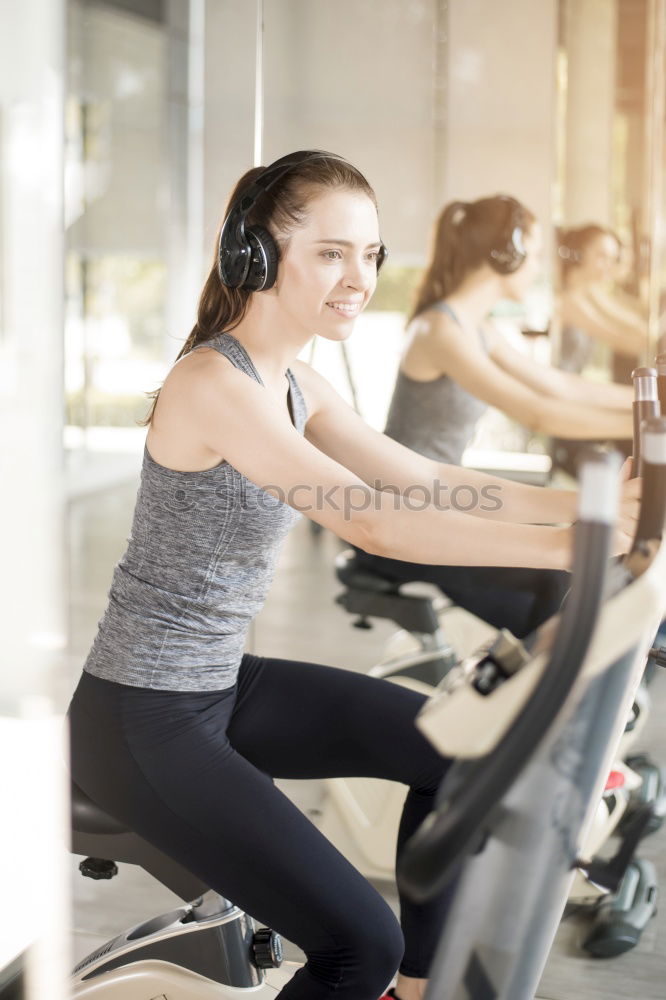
611 92
117 212
114 336
656 98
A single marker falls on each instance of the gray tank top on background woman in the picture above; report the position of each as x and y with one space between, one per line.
436 418
199 561
576 349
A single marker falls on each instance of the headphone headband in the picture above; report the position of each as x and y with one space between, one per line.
247 258
274 171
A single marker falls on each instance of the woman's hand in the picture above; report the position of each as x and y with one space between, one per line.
623 536
630 499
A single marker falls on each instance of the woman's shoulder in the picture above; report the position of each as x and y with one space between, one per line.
201 370
435 320
174 439
441 308
203 361
439 326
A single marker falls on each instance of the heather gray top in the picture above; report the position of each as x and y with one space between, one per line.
199 561
436 418
576 349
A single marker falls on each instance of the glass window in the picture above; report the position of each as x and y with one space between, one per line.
117 205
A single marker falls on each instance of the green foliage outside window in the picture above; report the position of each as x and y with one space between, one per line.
103 409
396 289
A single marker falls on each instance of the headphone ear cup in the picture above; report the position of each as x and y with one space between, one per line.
263 265
505 261
233 252
509 258
509 252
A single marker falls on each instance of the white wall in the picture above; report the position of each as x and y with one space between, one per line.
118 78
31 392
359 78
230 43
500 132
33 919
590 28
434 100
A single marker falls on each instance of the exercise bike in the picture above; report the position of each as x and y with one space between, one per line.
361 815
206 949
534 746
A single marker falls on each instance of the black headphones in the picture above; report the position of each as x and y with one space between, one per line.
248 257
510 252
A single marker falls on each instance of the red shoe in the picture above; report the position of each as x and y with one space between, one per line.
388 996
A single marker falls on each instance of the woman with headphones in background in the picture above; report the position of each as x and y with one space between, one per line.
587 309
174 729
456 364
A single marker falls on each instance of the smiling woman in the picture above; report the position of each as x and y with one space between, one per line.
352 305
174 729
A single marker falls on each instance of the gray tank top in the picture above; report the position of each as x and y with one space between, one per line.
576 349
436 418
199 561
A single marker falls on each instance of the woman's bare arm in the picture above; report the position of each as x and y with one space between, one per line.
337 430
465 361
561 385
241 422
581 311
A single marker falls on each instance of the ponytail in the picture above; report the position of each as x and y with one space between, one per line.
465 234
441 276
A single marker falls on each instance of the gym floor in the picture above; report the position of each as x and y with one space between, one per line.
301 620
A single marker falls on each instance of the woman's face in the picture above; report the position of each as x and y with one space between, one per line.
328 271
518 284
599 259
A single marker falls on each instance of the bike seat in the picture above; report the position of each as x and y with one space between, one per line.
89 818
360 578
372 595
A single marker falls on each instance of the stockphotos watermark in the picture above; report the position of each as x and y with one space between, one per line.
350 500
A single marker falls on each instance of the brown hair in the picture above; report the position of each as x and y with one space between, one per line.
280 210
465 233
572 243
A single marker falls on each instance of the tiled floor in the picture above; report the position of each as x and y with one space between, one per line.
301 620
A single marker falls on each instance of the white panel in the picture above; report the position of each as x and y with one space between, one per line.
32 625
31 181
230 42
501 101
590 30
357 77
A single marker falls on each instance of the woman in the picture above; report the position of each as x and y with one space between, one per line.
456 363
177 732
587 310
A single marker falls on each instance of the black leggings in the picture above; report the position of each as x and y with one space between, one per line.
505 597
192 773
